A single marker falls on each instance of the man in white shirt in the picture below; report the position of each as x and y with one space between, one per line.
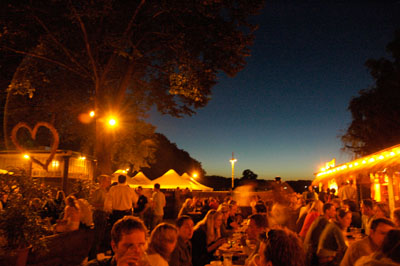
158 205
121 199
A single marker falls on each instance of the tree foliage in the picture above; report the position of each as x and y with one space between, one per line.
165 53
249 175
376 111
169 156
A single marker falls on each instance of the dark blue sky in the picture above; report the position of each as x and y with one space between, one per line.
283 113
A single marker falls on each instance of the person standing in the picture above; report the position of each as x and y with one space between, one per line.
182 254
141 205
158 205
100 215
121 199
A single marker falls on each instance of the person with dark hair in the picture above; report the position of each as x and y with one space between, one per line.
121 199
369 244
314 232
128 242
332 245
251 241
182 254
281 247
162 243
141 205
158 205
381 210
367 210
387 255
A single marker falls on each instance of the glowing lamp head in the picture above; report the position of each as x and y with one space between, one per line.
26 156
195 175
112 122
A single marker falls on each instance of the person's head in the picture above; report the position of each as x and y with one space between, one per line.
382 210
224 209
156 186
121 179
329 210
391 245
71 201
213 222
128 238
343 217
163 240
257 225
396 217
232 207
367 207
185 227
281 247
104 181
139 190
378 230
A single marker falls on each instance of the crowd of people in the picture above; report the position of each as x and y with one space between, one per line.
310 229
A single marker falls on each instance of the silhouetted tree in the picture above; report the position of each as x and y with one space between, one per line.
376 111
249 175
168 156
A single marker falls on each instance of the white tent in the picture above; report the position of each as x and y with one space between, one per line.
191 179
138 180
171 180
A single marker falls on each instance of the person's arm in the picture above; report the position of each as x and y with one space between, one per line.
213 246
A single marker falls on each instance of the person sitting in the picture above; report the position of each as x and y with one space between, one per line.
367 210
332 245
231 223
314 232
251 241
128 242
281 247
182 254
186 207
370 244
388 254
381 210
163 240
72 216
313 213
207 238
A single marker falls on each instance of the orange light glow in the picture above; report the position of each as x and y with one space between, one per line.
92 114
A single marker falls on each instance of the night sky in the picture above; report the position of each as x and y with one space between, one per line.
283 113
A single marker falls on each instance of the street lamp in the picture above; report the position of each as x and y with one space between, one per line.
233 161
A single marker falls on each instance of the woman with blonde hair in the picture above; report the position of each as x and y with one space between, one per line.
163 240
72 216
207 238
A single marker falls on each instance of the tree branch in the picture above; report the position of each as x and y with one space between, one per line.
47 59
87 44
69 55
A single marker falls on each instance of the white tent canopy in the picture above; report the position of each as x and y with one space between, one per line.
171 180
191 179
138 180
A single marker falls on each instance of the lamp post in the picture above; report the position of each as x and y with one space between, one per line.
233 161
